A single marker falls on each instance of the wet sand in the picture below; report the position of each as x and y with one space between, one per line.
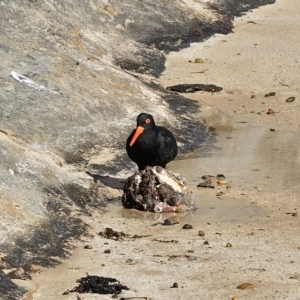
261 166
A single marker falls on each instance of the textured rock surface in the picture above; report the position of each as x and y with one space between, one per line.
50 136
156 189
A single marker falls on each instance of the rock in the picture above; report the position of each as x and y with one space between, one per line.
157 190
270 94
270 111
187 226
199 60
8 289
201 233
246 286
290 99
192 88
18 273
109 233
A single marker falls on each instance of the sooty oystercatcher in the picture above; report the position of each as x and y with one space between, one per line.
150 145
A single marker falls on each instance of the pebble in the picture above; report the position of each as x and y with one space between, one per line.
201 233
65 293
228 245
187 226
270 111
220 194
199 61
205 185
246 286
221 182
167 222
270 94
221 176
290 99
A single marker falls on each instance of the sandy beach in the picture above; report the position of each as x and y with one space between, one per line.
252 230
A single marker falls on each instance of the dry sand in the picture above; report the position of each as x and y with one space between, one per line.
261 166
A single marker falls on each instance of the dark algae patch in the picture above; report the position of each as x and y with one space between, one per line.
99 285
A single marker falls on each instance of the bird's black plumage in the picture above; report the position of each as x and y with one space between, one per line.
150 145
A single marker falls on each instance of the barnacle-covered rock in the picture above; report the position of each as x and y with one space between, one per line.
156 189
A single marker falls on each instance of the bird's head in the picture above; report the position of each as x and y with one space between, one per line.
144 122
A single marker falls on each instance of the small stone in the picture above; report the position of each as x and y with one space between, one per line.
246 286
205 185
187 226
290 99
221 176
294 214
270 111
272 129
270 94
201 233
199 61
107 251
221 182
88 247
66 293
228 245
175 285
220 194
167 222
206 243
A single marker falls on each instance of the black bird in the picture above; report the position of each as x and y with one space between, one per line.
150 145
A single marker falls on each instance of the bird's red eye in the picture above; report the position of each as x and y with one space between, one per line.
148 121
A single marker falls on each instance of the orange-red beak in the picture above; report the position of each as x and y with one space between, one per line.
139 130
